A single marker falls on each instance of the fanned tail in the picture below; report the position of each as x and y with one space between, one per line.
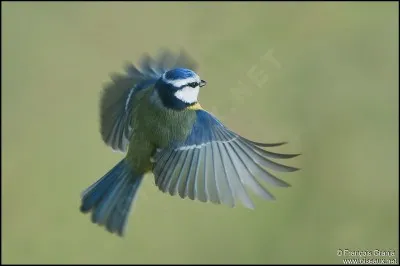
110 198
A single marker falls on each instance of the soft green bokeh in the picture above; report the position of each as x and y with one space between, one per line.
332 92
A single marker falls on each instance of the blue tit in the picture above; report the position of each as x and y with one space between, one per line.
152 114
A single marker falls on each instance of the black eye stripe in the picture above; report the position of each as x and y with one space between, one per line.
193 84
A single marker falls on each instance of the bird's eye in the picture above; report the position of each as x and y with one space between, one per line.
193 84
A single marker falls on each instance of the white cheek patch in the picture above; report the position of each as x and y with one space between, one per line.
188 94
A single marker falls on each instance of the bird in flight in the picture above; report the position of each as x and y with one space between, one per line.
152 114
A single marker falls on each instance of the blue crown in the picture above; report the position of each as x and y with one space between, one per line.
179 73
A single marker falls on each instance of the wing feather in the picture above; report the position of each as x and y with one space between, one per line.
162 161
262 160
211 184
178 171
256 168
222 179
184 175
238 188
169 177
192 175
200 189
249 177
217 165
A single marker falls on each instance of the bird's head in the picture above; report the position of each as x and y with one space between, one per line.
178 88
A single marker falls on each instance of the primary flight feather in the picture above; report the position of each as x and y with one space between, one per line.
152 113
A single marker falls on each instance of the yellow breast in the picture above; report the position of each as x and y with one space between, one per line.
196 106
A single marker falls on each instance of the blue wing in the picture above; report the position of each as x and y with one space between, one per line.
117 97
215 164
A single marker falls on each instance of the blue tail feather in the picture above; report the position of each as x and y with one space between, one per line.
110 198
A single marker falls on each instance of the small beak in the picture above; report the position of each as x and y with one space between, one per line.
203 83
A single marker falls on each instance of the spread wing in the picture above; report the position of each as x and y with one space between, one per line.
215 164
117 96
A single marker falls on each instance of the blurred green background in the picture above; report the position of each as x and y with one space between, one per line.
328 85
